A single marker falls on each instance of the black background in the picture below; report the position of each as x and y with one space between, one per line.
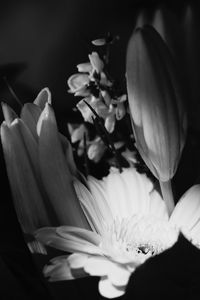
41 42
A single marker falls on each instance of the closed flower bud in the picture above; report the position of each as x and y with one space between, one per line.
84 67
40 167
96 62
155 100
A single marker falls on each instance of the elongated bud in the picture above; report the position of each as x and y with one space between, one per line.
155 100
55 173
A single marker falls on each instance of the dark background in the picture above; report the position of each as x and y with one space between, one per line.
41 42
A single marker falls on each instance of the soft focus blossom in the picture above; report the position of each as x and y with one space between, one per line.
40 167
129 222
109 110
96 63
99 42
93 84
78 134
90 74
106 113
85 110
155 100
96 149
78 84
120 109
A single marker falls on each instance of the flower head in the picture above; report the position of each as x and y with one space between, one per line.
129 222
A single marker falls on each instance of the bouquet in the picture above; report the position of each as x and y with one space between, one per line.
103 195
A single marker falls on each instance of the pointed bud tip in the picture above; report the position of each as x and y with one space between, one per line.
43 97
8 113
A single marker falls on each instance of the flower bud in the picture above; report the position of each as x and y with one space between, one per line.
155 100
96 62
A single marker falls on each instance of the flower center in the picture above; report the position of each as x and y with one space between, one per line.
140 236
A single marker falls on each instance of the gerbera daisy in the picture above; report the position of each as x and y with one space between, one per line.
129 223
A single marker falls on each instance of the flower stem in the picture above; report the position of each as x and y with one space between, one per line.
167 194
12 92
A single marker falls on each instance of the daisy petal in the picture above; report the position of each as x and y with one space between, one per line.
37 247
158 206
101 266
131 186
70 243
98 190
60 270
97 266
187 210
91 209
87 235
77 260
108 290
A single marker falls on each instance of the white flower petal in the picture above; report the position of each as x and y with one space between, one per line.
97 266
99 42
71 243
84 67
110 123
85 110
158 206
8 113
90 207
43 97
101 266
77 133
87 235
108 290
120 111
127 192
96 62
56 176
187 211
59 269
30 115
37 247
29 205
77 82
31 147
96 150
97 189
77 260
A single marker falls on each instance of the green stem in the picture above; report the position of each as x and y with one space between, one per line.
167 194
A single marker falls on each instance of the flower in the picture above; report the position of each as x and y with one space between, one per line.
78 84
96 149
107 113
155 100
129 222
78 133
40 167
90 73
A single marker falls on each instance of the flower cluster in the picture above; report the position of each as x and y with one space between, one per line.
92 83
103 101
